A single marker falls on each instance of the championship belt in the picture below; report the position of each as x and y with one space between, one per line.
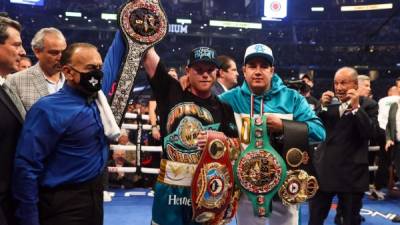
260 170
212 184
299 186
143 24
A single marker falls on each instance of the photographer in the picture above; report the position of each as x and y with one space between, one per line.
304 86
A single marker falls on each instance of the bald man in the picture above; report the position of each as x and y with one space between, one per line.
341 161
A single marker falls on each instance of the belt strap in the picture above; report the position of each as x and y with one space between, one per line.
260 171
299 186
212 185
295 145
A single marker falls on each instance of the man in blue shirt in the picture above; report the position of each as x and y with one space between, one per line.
62 149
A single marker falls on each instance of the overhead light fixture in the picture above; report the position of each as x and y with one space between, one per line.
270 19
366 7
235 24
109 16
317 9
73 14
183 21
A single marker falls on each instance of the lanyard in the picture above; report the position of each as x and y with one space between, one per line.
252 106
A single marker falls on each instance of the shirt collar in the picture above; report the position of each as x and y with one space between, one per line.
2 80
223 86
61 81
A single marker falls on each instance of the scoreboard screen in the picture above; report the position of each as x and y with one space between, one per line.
275 9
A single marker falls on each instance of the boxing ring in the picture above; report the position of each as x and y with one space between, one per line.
133 206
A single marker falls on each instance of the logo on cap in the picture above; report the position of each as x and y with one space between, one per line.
259 48
202 52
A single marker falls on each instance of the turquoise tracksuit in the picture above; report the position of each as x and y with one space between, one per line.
285 103
279 100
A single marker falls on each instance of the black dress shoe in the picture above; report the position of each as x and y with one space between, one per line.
396 219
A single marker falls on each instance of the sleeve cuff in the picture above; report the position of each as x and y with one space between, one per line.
355 110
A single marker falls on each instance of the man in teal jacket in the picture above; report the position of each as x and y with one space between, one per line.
264 93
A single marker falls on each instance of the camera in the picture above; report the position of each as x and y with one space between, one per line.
298 85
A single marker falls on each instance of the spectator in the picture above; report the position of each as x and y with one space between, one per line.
119 179
12 113
306 92
226 76
45 76
24 63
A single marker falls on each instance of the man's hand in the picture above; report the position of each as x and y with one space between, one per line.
274 124
184 81
202 139
123 139
326 98
155 132
389 143
352 94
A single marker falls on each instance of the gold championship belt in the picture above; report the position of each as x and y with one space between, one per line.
299 186
143 23
212 184
260 171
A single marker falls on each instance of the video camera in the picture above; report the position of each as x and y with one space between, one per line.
298 85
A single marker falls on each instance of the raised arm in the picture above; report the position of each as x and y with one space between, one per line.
113 61
150 62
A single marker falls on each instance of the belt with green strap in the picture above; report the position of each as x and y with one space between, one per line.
260 171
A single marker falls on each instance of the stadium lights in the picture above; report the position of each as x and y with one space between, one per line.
73 14
317 9
109 16
235 24
366 7
270 19
184 21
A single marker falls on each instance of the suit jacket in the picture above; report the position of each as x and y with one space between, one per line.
10 127
217 88
29 84
341 161
391 124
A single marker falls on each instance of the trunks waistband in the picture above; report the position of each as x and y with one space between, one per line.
176 173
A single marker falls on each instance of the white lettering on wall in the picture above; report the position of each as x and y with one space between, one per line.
178 28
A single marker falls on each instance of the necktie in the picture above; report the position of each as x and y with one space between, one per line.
344 108
14 98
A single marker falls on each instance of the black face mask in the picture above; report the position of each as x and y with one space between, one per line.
91 81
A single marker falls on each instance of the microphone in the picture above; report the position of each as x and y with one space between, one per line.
335 101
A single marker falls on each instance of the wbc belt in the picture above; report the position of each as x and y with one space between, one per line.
212 185
260 171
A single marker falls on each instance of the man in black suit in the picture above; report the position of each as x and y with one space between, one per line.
12 112
226 76
341 161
